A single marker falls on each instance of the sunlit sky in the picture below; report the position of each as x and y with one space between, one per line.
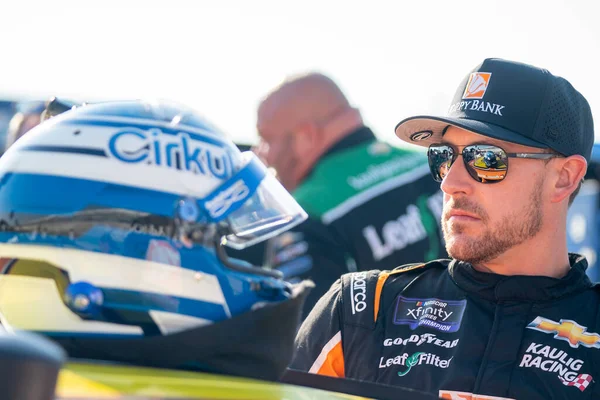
393 59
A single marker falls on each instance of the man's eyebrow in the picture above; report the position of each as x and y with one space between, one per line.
487 142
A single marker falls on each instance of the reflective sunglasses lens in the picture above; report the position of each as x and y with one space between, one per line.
440 160
485 163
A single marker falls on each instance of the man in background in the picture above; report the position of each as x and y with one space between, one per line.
27 117
370 205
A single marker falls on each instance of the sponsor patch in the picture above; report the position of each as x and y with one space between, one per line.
418 340
423 135
443 315
396 234
183 151
552 360
221 202
454 395
477 105
408 361
376 173
477 85
566 330
289 253
358 292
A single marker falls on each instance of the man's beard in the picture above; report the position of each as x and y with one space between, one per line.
286 164
513 229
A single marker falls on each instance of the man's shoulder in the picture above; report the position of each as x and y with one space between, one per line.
361 291
351 172
375 275
419 268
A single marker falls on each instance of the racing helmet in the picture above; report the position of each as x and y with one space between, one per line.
114 218
489 158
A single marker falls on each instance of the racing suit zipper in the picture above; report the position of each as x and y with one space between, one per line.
489 347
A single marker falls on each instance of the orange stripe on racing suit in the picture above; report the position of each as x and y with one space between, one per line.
331 360
381 281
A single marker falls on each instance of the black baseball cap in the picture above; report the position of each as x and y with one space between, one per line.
514 102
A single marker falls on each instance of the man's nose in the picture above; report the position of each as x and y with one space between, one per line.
458 180
261 149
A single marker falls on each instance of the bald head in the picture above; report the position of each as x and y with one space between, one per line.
306 98
299 121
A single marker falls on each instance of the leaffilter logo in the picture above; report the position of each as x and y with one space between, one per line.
411 362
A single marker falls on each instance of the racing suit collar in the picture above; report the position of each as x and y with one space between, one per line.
356 138
496 287
359 136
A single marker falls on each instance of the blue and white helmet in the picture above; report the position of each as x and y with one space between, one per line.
112 222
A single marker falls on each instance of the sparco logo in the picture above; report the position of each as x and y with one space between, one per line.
443 315
418 340
358 292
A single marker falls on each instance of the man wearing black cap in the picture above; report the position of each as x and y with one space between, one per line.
512 315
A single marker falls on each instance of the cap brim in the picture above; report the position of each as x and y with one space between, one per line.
424 130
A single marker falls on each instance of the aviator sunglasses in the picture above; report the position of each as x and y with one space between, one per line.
485 163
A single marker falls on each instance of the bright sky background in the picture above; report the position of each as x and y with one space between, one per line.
393 58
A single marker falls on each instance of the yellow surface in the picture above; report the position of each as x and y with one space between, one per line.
100 381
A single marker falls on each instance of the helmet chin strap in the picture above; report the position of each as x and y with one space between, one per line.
240 265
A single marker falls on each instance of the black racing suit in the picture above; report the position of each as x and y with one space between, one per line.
446 328
370 205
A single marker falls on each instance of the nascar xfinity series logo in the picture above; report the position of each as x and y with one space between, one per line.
549 359
443 315
179 151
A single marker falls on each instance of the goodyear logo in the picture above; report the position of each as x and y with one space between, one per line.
567 330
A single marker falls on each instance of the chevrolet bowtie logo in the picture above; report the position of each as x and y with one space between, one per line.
567 330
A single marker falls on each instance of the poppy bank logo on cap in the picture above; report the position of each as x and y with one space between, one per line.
477 85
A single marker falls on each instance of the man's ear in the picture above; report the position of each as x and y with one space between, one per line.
309 136
569 172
